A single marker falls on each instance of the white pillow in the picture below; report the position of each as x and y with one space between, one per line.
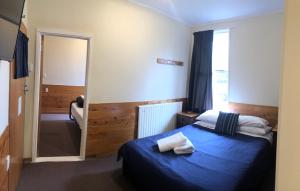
255 130
211 116
253 121
242 129
206 125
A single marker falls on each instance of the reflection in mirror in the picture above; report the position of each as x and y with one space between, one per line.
63 76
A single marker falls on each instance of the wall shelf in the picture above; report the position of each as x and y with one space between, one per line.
169 62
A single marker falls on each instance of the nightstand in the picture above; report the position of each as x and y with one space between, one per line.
274 130
186 118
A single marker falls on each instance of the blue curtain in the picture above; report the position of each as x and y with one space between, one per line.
200 87
21 56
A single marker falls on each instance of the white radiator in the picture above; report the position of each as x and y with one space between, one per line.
157 118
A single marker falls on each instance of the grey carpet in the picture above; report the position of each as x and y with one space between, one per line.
103 174
54 117
91 175
59 138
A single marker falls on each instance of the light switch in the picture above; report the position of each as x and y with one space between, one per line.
30 67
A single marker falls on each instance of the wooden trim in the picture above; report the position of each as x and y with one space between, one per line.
169 62
267 112
112 124
4 151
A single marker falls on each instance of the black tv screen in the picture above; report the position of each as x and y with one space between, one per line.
10 19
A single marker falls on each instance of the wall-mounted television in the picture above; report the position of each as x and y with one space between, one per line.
10 20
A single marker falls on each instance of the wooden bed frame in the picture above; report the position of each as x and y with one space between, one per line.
267 112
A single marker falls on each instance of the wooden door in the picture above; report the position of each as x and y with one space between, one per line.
16 124
16 128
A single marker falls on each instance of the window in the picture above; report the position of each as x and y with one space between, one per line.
220 66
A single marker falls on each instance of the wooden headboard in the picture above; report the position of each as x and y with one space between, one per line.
267 112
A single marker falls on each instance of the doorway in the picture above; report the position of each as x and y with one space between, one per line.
61 100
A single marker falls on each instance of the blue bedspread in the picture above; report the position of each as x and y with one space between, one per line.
220 163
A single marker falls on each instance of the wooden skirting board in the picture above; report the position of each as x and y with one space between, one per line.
4 151
112 124
58 98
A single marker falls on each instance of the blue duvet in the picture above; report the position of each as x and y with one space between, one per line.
220 163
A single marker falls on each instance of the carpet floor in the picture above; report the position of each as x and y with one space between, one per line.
59 138
104 174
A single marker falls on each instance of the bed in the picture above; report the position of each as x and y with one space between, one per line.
77 113
220 163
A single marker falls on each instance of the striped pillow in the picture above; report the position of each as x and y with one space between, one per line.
227 123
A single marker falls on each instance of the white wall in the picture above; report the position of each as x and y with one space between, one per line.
255 58
4 95
127 41
64 61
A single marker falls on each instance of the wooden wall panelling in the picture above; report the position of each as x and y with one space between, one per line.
267 112
4 151
112 124
58 98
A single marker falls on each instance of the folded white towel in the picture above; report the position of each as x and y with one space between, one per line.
185 149
169 143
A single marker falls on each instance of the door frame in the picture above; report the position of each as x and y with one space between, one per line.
35 129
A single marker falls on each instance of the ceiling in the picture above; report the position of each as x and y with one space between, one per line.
197 12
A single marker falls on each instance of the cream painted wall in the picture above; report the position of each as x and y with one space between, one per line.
64 61
255 58
4 95
25 13
288 147
127 41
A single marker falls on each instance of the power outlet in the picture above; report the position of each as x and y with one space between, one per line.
7 162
